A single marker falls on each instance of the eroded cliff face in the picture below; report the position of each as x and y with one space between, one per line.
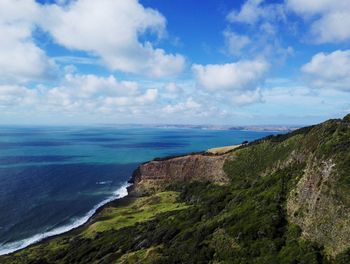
315 206
320 202
154 175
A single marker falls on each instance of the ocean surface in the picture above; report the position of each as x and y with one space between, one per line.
52 179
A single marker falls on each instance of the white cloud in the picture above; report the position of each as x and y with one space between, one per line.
249 13
329 19
242 75
253 11
112 30
333 27
312 7
108 30
265 22
79 95
247 97
306 103
173 88
188 105
329 71
235 43
235 83
290 95
87 86
14 95
20 59
91 90
148 97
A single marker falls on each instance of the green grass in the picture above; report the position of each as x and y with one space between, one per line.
108 221
144 256
140 210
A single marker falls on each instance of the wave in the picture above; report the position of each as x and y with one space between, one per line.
8 248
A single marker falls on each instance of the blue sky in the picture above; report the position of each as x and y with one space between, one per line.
161 61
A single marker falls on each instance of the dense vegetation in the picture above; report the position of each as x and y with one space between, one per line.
243 222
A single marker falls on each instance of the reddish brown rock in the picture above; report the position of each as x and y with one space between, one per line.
155 174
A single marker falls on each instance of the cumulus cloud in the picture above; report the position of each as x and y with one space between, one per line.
242 75
108 30
80 94
112 30
247 97
329 19
237 83
20 59
188 105
329 71
89 86
94 93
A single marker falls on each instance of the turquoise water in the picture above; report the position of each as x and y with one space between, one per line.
53 179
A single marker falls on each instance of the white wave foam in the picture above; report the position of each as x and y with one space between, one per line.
8 248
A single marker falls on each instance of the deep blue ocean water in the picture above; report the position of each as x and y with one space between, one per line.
53 178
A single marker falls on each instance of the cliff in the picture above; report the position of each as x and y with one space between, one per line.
154 176
280 199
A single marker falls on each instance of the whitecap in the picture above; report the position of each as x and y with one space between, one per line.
11 247
104 182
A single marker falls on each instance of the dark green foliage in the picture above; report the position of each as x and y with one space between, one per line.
282 137
347 118
248 163
343 258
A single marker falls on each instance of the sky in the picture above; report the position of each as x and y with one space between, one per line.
222 62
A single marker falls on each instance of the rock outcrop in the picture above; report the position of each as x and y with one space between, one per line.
154 175
320 204
314 206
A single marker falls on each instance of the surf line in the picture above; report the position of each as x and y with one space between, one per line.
11 247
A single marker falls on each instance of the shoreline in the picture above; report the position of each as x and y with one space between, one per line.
120 194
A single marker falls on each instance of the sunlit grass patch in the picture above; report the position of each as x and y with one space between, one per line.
140 210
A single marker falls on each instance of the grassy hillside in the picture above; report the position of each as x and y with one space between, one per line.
288 201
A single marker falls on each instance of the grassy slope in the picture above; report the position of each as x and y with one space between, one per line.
111 219
245 222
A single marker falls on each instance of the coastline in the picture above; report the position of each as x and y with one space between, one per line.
120 194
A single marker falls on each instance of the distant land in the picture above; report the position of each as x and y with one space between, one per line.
260 128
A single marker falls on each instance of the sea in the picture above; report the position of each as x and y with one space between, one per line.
53 179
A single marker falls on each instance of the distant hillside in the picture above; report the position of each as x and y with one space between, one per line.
280 128
281 199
